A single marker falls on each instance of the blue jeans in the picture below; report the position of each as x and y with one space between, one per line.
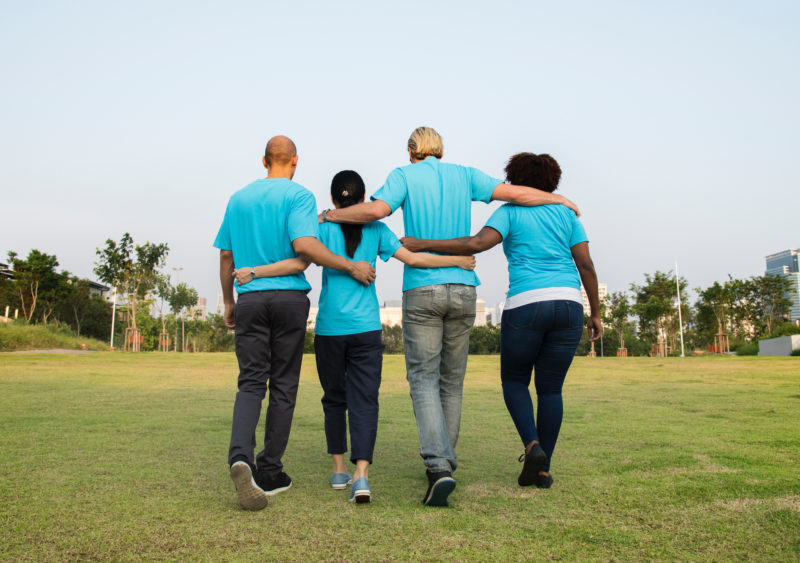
540 337
436 324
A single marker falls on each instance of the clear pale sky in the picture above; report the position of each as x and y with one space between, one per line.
675 123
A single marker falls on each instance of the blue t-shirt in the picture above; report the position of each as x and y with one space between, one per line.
538 242
347 306
260 223
436 198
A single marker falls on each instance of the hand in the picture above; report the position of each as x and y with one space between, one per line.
363 272
567 203
595 327
321 217
230 315
412 244
466 262
243 276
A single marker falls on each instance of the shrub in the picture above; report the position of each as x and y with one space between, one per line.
747 349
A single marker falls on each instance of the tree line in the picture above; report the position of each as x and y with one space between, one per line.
155 314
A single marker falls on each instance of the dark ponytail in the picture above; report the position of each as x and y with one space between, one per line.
347 188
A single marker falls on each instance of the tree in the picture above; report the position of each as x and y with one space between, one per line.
36 283
714 309
130 268
617 313
656 306
182 297
769 297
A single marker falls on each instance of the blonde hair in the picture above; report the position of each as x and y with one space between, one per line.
425 142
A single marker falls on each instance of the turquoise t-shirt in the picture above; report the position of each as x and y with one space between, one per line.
347 306
260 223
436 198
538 242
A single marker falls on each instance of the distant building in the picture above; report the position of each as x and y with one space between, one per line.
787 264
220 304
199 310
602 291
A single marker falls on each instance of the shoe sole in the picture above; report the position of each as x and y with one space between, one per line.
530 470
251 496
361 497
440 491
342 486
274 492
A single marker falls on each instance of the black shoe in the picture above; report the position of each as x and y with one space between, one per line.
275 484
440 485
544 481
251 496
534 460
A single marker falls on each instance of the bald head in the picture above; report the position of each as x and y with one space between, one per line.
279 152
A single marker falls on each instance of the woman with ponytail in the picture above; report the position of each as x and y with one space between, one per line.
348 338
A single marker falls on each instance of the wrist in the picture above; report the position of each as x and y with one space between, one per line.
252 272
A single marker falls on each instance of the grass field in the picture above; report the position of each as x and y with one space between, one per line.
113 456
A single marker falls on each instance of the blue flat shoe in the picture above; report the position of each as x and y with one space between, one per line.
359 492
339 481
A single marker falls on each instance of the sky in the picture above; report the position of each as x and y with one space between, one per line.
675 123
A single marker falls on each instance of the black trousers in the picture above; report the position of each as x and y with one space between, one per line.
349 368
270 332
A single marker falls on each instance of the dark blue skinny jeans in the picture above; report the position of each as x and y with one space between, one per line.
541 338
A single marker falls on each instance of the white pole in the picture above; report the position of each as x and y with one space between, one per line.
113 314
680 316
7 308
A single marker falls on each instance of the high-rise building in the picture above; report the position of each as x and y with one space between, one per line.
787 264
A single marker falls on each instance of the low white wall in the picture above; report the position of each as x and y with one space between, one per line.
781 346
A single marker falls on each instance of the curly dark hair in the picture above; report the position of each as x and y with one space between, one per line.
539 171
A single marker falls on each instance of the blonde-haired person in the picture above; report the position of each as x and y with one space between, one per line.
438 303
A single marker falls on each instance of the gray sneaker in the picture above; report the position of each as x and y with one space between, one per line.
251 496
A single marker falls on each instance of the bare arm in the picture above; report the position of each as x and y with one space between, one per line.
226 279
314 251
425 260
360 213
530 197
486 238
287 267
580 253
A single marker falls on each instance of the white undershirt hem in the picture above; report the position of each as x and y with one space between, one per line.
543 294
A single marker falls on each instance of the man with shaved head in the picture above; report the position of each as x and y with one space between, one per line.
268 221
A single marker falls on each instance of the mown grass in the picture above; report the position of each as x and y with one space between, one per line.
117 456
18 336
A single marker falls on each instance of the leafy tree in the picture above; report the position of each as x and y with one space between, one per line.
656 306
393 339
714 310
36 283
769 296
484 339
130 268
617 313
181 298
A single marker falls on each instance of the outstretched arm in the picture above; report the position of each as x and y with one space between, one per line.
360 213
287 267
486 238
226 279
425 260
530 197
580 253
313 250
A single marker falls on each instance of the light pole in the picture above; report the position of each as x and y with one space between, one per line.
680 316
113 314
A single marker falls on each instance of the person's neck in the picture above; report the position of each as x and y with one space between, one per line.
280 172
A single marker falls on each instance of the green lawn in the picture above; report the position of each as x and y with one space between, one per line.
113 456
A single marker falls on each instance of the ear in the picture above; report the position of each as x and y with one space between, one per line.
264 161
362 198
294 161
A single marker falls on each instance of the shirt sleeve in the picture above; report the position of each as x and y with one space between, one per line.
394 190
481 185
223 240
388 242
500 220
302 220
578 232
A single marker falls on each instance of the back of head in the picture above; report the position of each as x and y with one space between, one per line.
539 171
280 151
425 142
347 188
